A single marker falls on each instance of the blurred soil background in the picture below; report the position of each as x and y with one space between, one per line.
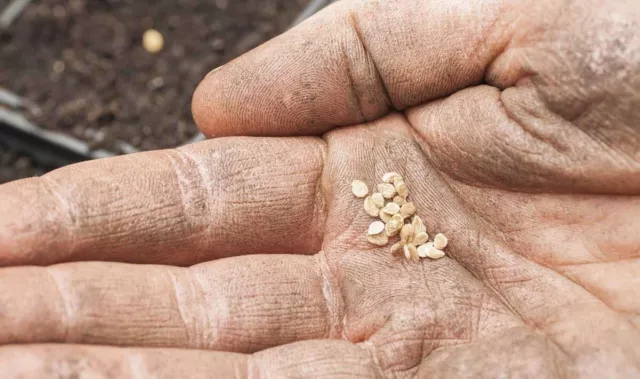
83 65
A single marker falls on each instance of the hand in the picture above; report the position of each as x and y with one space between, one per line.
515 124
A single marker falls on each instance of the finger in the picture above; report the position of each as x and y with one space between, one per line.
524 148
200 202
310 359
243 304
83 361
517 144
353 62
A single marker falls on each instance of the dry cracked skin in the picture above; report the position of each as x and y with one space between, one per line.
515 125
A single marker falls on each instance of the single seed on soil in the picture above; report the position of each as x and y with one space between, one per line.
359 189
394 225
384 216
401 188
406 234
376 227
370 207
407 210
418 225
58 67
391 208
396 248
387 190
420 238
378 239
152 41
399 200
440 241
378 199
423 249
434 253
390 177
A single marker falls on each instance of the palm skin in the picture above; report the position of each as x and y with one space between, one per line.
515 125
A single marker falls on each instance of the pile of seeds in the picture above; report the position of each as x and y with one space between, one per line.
397 217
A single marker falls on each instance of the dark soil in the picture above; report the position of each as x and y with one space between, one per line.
82 62
14 165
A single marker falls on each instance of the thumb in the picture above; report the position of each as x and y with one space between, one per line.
353 62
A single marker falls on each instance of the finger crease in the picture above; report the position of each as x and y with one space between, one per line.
66 322
333 296
135 363
352 86
322 200
193 192
386 97
73 225
180 306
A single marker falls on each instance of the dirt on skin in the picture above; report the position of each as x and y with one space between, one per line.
82 62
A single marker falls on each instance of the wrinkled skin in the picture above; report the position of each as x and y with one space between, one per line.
516 126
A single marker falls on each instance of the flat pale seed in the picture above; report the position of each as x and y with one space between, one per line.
394 225
413 252
420 238
391 230
387 190
406 234
408 210
418 225
434 253
398 219
440 241
391 208
375 227
378 199
396 248
407 252
384 216
390 177
378 239
401 188
370 207
423 249
359 189
399 200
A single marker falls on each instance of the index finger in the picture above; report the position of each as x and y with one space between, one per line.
200 202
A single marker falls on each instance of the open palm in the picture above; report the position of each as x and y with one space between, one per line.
515 124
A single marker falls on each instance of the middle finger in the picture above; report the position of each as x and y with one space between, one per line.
241 304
